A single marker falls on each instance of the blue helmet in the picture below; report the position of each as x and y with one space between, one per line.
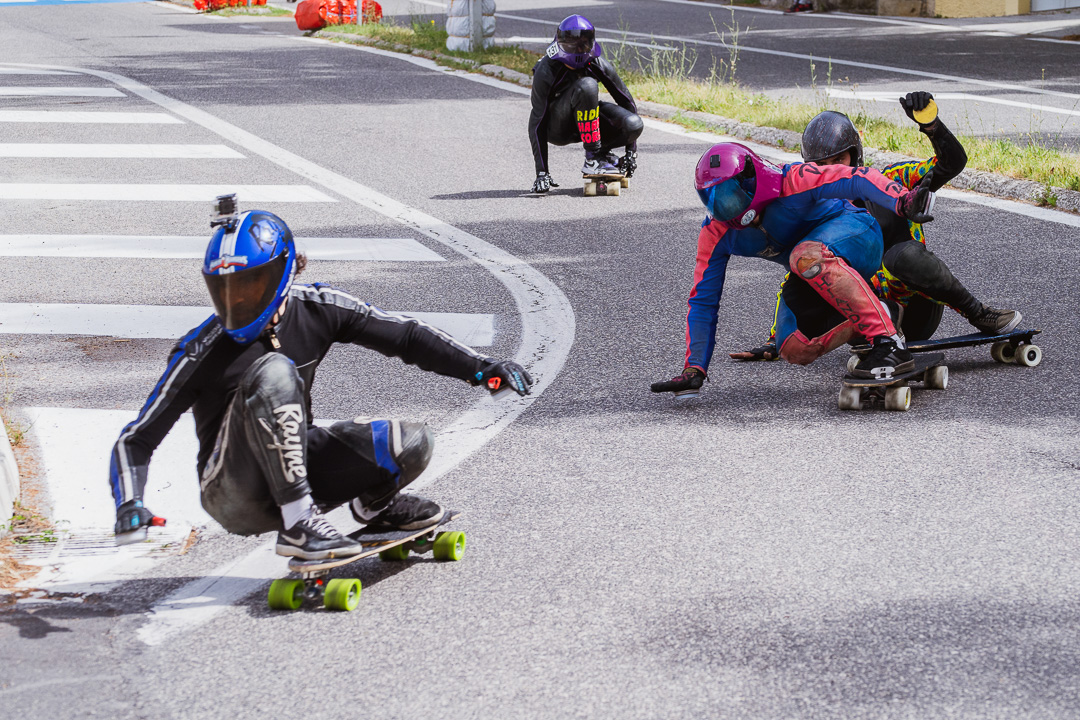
575 43
248 269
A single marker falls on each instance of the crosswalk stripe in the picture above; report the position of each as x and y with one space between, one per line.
89 116
168 322
160 193
176 246
61 92
116 150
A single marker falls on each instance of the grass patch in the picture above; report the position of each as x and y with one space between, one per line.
1029 162
264 10
665 77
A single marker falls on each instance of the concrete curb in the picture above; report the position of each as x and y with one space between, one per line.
9 480
978 181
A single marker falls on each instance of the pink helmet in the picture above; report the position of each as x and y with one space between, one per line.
735 184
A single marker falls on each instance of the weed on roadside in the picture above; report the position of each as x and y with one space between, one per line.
255 11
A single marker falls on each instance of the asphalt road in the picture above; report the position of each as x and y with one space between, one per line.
995 76
755 553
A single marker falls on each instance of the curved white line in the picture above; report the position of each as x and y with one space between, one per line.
547 333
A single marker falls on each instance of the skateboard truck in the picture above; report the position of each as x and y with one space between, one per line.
890 389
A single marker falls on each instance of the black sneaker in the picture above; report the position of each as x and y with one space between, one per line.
316 539
687 384
405 512
995 322
884 360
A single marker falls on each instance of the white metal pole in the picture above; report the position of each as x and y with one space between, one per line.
476 15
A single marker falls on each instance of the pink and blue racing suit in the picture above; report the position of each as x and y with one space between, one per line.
814 207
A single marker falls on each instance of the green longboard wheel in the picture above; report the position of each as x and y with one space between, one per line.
449 546
286 594
395 554
342 594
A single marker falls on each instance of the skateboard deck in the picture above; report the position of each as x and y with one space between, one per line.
1014 346
605 184
344 593
892 391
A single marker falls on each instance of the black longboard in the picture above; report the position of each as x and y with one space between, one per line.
344 593
1014 346
892 392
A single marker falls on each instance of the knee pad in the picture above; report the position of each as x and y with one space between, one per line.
798 349
399 447
842 287
634 127
806 259
272 374
413 444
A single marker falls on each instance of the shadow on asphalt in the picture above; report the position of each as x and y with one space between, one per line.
973 652
38 620
501 194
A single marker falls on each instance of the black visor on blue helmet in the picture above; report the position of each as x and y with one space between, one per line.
248 269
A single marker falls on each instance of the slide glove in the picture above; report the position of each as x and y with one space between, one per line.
628 163
917 204
544 182
688 383
763 352
132 519
921 108
498 376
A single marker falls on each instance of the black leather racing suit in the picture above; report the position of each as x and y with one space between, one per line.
558 92
268 405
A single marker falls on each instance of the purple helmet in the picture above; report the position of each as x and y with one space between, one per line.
735 184
575 43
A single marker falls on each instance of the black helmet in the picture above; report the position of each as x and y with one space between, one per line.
831 133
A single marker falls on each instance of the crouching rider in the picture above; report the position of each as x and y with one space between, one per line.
247 372
566 106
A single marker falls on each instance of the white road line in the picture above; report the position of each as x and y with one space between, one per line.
200 600
782 156
169 322
891 97
651 46
743 48
159 193
547 322
1017 208
60 92
194 247
800 17
31 71
88 116
117 150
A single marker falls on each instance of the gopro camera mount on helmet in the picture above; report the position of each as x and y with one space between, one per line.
226 212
